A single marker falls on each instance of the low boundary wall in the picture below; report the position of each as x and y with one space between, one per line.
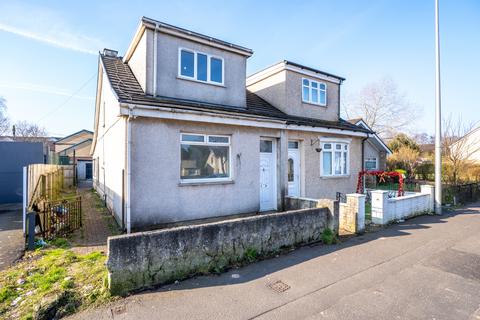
144 259
385 210
296 203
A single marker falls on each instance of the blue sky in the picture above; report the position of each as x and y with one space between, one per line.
49 48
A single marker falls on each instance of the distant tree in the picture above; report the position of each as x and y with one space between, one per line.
25 131
402 140
404 158
457 150
4 120
424 138
382 107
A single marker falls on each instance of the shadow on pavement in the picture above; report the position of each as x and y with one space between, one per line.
308 252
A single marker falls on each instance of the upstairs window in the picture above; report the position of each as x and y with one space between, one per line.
200 67
314 92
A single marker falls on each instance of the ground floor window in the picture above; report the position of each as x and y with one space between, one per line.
371 164
204 157
334 159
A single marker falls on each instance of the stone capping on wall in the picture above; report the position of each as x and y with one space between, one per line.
386 210
144 259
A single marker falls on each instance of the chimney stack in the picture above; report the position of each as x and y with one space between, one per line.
110 53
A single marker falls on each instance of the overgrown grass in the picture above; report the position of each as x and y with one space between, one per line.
53 281
328 236
250 255
368 211
99 205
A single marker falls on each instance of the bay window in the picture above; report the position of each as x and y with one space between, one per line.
201 67
204 157
334 159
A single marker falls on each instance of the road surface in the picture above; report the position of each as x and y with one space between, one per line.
424 268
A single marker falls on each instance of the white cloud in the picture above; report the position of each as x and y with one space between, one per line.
45 26
43 89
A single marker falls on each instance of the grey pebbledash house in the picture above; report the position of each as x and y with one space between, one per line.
181 133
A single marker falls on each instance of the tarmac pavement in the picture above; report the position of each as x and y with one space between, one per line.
12 243
424 268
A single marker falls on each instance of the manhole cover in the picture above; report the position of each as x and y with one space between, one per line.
278 286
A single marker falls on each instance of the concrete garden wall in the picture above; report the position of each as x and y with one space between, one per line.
385 210
296 203
144 259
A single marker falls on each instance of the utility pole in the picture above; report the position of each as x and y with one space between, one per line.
438 119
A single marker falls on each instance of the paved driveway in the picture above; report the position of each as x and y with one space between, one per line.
424 268
12 242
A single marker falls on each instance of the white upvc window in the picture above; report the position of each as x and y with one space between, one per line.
314 92
371 163
199 66
334 158
204 158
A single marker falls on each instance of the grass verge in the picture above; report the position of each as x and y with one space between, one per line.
53 282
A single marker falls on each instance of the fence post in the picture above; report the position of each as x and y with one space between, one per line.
31 230
25 200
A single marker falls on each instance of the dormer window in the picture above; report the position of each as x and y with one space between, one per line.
200 66
314 92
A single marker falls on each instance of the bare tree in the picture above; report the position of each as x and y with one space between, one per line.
424 138
382 107
26 131
458 149
4 120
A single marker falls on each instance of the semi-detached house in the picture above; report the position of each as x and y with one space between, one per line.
181 133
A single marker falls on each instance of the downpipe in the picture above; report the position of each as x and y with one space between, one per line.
129 173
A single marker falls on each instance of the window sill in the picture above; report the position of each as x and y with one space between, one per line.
204 183
343 176
221 85
314 104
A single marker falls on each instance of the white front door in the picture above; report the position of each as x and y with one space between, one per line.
293 167
268 169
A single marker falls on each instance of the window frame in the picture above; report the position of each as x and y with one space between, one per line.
195 65
309 101
370 159
206 142
343 157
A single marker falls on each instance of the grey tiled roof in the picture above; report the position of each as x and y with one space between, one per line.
129 90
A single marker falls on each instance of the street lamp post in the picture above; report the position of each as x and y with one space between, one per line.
438 119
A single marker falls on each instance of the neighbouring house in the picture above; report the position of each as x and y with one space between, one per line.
181 133
74 149
468 147
375 150
427 151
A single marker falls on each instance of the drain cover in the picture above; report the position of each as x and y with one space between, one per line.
278 286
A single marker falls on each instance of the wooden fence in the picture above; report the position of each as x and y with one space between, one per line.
45 181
